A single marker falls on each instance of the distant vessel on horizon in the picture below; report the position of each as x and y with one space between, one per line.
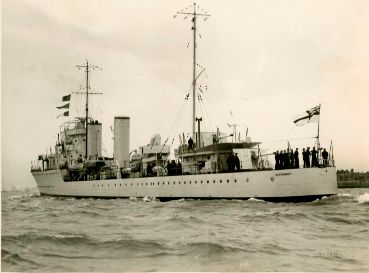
206 167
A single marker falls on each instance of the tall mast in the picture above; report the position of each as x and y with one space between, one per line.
194 73
194 15
87 89
87 67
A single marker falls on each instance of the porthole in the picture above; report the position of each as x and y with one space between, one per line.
131 184
163 183
102 185
247 180
227 180
201 181
220 181
207 181
190 182
115 184
184 182
179 183
108 185
195 182
120 185
158 183
146 183
168 183
235 181
174 183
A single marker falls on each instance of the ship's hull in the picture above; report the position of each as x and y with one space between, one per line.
275 185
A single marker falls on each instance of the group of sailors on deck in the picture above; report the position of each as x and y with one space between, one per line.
289 159
233 162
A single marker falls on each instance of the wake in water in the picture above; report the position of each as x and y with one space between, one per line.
364 198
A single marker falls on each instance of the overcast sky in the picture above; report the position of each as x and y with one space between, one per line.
266 62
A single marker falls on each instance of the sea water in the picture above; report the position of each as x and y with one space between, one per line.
69 234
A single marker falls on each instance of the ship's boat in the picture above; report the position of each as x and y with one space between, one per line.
206 165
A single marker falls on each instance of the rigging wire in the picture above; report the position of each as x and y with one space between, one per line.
175 121
176 78
220 94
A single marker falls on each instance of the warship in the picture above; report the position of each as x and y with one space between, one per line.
207 165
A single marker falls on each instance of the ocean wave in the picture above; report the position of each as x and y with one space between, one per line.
34 237
10 259
209 248
149 199
345 195
14 197
256 200
364 198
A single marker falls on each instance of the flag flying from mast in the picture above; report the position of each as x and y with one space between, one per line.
65 114
66 98
312 115
64 106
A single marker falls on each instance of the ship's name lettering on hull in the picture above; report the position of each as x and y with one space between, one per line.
282 174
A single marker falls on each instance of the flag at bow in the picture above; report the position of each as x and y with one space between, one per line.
312 115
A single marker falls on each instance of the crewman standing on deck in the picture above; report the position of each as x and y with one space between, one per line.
237 162
325 157
314 158
292 159
307 157
276 157
190 144
304 157
296 156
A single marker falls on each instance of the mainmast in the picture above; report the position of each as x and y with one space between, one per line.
194 72
87 67
194 16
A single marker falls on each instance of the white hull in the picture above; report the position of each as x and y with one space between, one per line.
294 184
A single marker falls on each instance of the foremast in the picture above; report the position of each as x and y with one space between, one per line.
87 67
